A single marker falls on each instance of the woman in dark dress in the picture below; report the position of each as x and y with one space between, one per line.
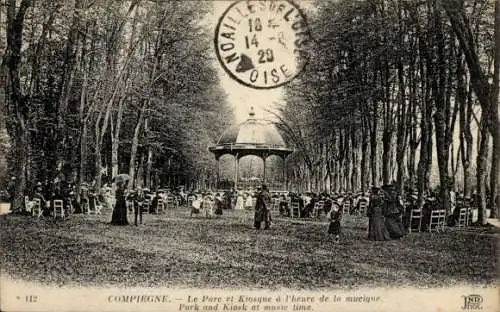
393 209
219 205
376 228
119 216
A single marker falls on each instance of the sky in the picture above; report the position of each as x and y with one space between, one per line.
241 97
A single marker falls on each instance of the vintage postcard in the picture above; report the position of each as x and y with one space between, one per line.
249 155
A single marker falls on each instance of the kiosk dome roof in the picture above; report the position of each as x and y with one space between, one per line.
253 131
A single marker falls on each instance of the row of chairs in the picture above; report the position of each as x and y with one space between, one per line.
94 207
161 207
294 208
437 220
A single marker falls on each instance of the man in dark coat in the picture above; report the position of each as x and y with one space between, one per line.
262 208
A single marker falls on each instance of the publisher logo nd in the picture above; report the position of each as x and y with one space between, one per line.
472 302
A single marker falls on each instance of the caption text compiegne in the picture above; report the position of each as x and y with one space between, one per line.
280 302
268 303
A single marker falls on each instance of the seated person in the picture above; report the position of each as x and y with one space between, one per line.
284 209
43 203
309 207
154 203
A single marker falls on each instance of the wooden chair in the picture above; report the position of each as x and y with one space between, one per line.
417 215
172 202
58 208
437 220
363 207
94 207
160 207
275 206
464 217
145 206
346 207
36 210
318 207
295 210
28 205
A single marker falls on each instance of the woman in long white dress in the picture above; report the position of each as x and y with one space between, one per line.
239 202
248 202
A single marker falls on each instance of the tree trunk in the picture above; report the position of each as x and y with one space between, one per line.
401 127
482 161
438 87
494 129
465 114
373 145
149 161
12 61
387 151
135 144
364 159
115 139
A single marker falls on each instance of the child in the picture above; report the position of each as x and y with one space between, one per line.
335 215
207 205
196 205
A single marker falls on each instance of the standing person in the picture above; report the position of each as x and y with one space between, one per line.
335 215
139 200
84 198
11 189
393 210
196 205
239 202
227 200
218 204
119 216
262 208
376 226
248 201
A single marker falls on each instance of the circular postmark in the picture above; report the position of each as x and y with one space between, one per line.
262 44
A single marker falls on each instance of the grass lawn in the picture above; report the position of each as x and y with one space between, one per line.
174 250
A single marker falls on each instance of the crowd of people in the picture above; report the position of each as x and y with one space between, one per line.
388 212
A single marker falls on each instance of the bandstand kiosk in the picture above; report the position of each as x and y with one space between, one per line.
256 137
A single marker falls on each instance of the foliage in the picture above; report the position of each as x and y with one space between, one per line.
382 91
131 72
